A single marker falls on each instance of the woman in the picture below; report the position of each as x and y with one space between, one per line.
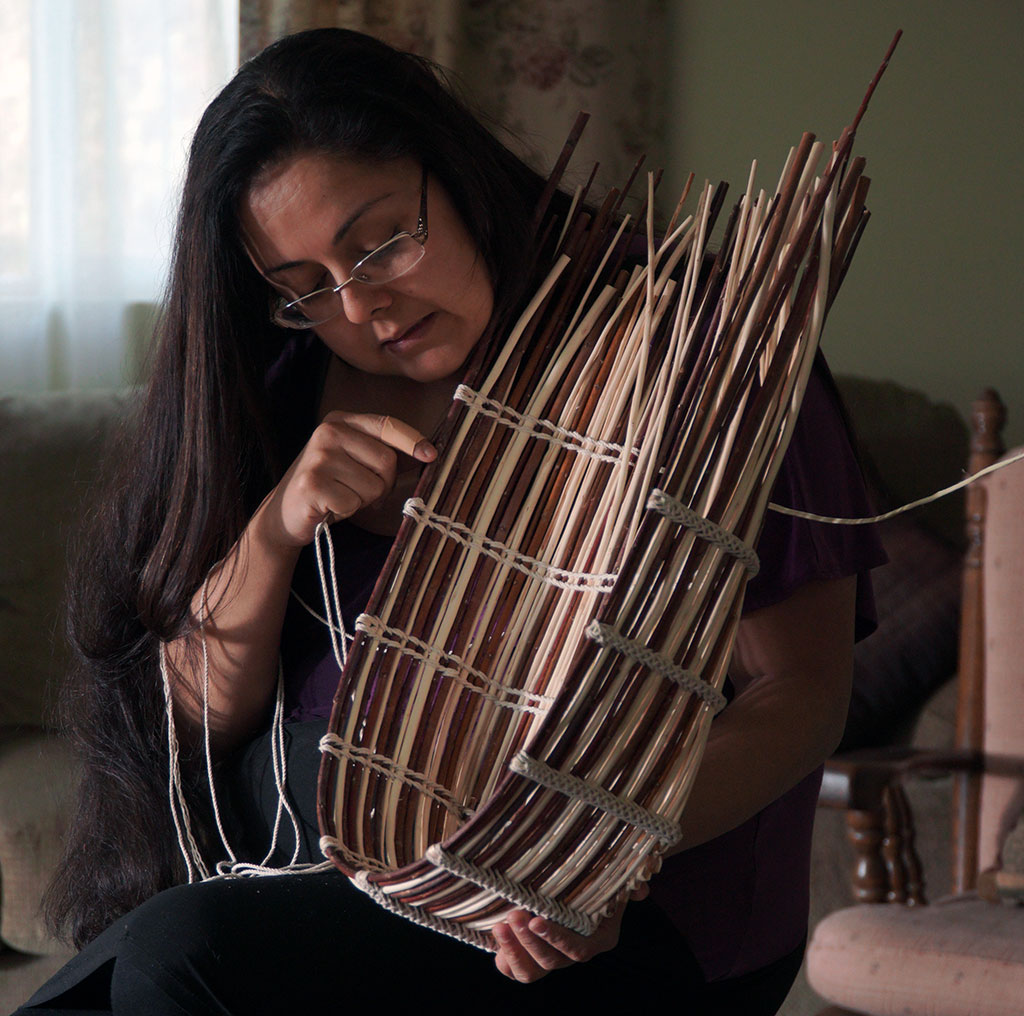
339 184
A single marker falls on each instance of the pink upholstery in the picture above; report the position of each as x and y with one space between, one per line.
1002 798
963 955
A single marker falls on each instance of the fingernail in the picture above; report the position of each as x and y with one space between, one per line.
424 451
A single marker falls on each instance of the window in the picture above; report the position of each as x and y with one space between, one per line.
99 99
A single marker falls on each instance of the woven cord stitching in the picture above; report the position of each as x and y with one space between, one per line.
420 916
662 829
545 430
393 770
456 668
607 636
331 845
514 892
705 529
601 582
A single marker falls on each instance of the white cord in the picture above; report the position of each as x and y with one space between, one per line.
203 614
194 863
319 617
602 582
231 866
335 623
545 430
1001 464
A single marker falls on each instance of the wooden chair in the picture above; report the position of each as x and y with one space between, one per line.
894 954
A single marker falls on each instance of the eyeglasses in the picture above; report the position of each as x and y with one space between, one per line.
390 260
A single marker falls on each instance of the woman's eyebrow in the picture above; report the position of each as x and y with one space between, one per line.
339 234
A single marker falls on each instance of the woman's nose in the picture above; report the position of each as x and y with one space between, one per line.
361 302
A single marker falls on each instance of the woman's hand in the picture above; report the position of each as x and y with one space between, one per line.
530 947
349 462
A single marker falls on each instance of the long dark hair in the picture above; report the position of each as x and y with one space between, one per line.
201 453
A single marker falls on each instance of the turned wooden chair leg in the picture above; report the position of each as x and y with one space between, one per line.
892 849
865 831
907 860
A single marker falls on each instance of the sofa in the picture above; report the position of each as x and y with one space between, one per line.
50 449
49 455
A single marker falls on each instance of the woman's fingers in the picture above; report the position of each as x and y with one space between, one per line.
530 947
522 954
391 431
349 463
359 452
560 941
339 473
406 439
358 486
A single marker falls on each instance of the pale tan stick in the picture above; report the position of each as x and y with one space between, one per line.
708 440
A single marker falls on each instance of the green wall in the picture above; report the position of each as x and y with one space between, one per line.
934 298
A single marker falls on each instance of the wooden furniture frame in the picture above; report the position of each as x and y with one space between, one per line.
868 784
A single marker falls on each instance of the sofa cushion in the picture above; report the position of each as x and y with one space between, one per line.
50 447
957 957
21 975
37 780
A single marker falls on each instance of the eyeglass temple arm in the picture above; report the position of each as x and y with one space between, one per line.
421 223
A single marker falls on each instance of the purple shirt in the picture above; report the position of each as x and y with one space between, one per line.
740 900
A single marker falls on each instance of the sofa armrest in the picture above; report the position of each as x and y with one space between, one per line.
38 775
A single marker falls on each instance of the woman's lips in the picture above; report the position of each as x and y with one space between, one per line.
410 336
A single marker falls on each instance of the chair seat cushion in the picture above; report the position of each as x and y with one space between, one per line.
957 957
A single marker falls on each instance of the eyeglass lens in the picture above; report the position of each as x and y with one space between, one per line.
386 263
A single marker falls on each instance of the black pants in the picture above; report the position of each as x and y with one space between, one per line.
314 943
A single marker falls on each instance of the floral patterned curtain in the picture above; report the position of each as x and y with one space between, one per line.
530 64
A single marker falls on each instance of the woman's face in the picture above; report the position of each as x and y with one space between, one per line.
310 219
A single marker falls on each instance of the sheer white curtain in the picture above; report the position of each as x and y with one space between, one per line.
98 99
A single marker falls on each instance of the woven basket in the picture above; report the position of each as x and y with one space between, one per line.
529 692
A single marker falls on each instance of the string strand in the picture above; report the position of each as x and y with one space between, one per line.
562 578
453 667
335 623
319 617
207 751
194 864
544 430
231 866
951 489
